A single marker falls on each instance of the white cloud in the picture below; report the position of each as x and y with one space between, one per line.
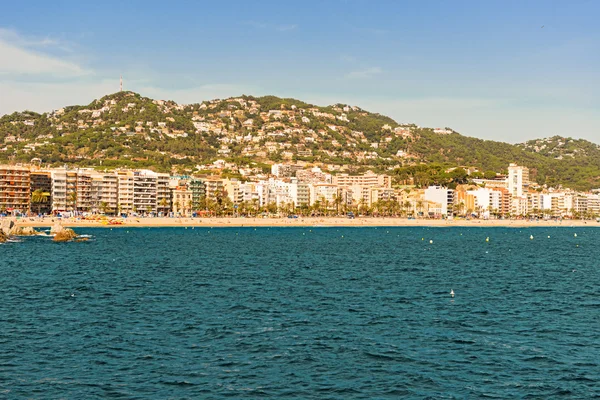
13 37
44 97
364 73
19 57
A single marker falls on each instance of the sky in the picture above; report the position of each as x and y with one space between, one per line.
503 70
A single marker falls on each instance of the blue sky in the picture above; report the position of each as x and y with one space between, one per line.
504 70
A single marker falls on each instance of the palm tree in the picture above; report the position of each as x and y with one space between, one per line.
407 206
72 199
104 207
38 197
420 206
337 199
362 205
164 203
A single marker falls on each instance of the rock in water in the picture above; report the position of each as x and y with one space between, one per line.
6 226
28 231
56 228
3 237
65 235
24 231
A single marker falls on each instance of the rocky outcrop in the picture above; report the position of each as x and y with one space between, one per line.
23 231
65 235
62 234
3 237
56 228
6 226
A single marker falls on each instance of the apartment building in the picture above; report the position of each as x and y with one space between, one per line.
125 180
83 188
59 190
198 193
442 196
324 193
369 179
214 188
233 189
163 194
15 189
182 200
518 180
145 191
104 192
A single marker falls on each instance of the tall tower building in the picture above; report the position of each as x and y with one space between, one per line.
518 180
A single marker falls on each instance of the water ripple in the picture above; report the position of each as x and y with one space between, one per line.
318 313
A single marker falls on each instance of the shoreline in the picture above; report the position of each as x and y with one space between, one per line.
293 222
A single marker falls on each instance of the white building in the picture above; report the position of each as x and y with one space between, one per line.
486 200
442 196
518 180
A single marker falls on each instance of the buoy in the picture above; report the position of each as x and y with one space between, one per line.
451 293
548 237
487 239
422 238
431 241
575 235
531 237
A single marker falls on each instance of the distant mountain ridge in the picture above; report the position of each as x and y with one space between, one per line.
129 130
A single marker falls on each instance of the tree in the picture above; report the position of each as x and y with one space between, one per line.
337 200
407 206
459 176
164 203
420 207
72 199
39 197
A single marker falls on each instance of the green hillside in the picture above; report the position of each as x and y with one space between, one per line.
126 129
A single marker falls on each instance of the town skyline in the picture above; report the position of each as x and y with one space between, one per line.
286 190
496 71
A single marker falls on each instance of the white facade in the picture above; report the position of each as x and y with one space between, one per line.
518 180
442 196
486 200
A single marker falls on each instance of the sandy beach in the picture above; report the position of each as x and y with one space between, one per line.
283 222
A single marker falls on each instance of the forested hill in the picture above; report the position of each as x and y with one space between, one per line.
127 129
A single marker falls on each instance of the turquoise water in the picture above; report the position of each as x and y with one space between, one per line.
327 313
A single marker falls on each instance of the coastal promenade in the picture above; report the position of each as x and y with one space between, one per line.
306 221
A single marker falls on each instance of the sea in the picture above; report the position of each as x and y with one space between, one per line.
302 313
